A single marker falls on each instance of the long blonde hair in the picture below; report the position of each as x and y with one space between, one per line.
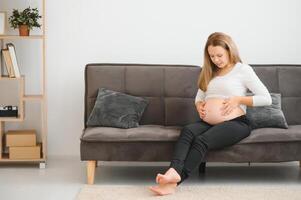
209 68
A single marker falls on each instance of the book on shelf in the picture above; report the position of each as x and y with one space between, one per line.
8 63
12 53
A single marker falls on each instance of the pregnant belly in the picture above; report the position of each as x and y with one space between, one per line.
214 113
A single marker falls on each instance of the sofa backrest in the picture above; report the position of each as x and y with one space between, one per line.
171 89
286 80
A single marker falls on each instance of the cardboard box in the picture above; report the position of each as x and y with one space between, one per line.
21 138
25 152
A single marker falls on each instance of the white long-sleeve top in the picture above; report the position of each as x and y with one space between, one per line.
235 83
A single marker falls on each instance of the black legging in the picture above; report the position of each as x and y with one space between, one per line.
197 138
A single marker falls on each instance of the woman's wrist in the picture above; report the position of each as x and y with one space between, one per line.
245 100
239 100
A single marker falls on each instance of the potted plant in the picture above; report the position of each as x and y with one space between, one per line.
25 20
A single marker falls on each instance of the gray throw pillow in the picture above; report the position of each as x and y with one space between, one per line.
116 109
267 116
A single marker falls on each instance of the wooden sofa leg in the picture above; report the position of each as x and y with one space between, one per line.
91 171
300 163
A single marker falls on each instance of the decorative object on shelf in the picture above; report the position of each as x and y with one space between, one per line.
8 63
10 60
25 20
2 22
12 53
22 144
8 111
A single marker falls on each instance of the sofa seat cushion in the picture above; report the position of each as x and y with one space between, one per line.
160 133
292 134
140 133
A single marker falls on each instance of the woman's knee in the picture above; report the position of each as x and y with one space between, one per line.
188 131
200 142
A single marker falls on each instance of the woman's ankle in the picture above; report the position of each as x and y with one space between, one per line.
173 172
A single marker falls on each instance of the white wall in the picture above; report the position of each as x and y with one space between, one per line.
157 31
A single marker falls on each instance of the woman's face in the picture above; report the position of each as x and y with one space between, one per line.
219 56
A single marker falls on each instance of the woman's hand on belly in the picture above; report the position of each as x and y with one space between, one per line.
229 104
214 108
201 109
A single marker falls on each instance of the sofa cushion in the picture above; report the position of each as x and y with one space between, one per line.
149 133
262 135
267 116
256 152
116 109
141 133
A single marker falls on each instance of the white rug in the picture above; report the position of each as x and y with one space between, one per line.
201 192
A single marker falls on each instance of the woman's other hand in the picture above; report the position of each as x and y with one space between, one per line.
200 108
229 104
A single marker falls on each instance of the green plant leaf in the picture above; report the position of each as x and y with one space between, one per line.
29 16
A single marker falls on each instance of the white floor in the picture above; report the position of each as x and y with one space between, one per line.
65 176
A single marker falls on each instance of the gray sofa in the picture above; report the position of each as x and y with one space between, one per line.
171 90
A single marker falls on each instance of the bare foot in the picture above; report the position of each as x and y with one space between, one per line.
164 189
170 176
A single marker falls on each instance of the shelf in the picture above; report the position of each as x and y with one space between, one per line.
17 37
8 78
6 159
33 97
11 119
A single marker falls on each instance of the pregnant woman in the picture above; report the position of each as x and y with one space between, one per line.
221 103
